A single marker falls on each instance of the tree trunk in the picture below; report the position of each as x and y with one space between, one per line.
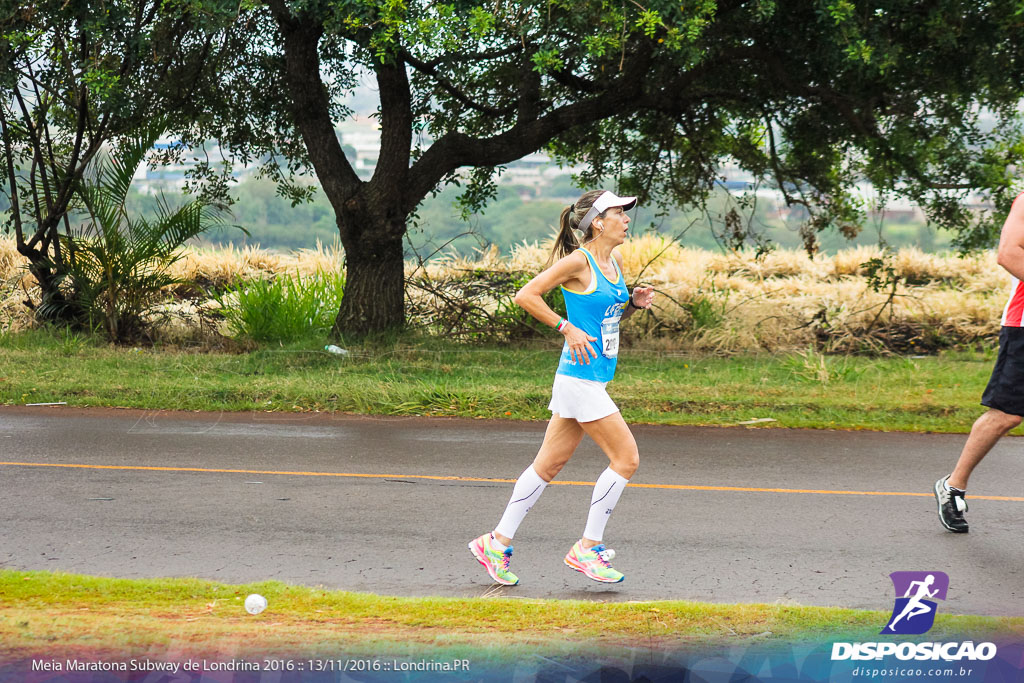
370 215
374 299
53 307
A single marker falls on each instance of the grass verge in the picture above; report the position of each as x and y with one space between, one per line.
921 393
91 617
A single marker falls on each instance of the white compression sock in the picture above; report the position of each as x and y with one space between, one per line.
525 493
606 494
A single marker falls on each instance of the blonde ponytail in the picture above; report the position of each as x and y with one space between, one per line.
566 241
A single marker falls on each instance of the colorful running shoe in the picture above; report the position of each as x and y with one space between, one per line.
494 561
593 562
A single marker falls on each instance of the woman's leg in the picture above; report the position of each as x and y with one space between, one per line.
588 555
494 550
560 441
613 436
562 437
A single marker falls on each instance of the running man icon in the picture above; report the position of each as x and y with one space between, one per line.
916 588
914 605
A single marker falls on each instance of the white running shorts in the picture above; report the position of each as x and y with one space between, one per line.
583 400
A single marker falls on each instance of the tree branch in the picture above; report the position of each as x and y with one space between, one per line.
12 178
450 88
574 82
310 105
461 57
865 125
38 163
531 131
395 131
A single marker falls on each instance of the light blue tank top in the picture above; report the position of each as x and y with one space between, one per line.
596 311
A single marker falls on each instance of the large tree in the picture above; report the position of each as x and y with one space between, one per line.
76 75
651 96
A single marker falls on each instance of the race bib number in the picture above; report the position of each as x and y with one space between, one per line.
610 337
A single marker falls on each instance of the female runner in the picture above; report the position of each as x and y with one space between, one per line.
596 300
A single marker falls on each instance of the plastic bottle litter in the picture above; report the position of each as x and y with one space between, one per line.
336 350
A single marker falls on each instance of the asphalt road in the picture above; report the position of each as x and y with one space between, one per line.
295 511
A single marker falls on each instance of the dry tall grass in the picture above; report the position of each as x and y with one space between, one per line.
786 300
706 301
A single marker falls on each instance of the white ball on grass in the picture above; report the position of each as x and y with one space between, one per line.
255 603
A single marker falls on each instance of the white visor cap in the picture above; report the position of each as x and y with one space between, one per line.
606 201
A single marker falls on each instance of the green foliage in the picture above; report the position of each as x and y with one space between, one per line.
881 273
809 97
117 265
841 11
937 394
882 276
818 128
705 312
75 77
815 367
649 22
284 308
547 60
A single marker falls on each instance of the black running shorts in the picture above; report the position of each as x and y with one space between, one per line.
1005 390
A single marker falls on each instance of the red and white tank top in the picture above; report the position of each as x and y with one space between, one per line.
1014 311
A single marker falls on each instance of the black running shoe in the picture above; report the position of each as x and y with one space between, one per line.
952 506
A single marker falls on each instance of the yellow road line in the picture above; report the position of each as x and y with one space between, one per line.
676 487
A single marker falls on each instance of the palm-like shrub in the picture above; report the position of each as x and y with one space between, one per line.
117 266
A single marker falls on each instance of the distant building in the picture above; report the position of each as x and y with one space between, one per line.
361 135
173 176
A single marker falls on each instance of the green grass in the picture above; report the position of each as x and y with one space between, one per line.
284 308
91 616
934 393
